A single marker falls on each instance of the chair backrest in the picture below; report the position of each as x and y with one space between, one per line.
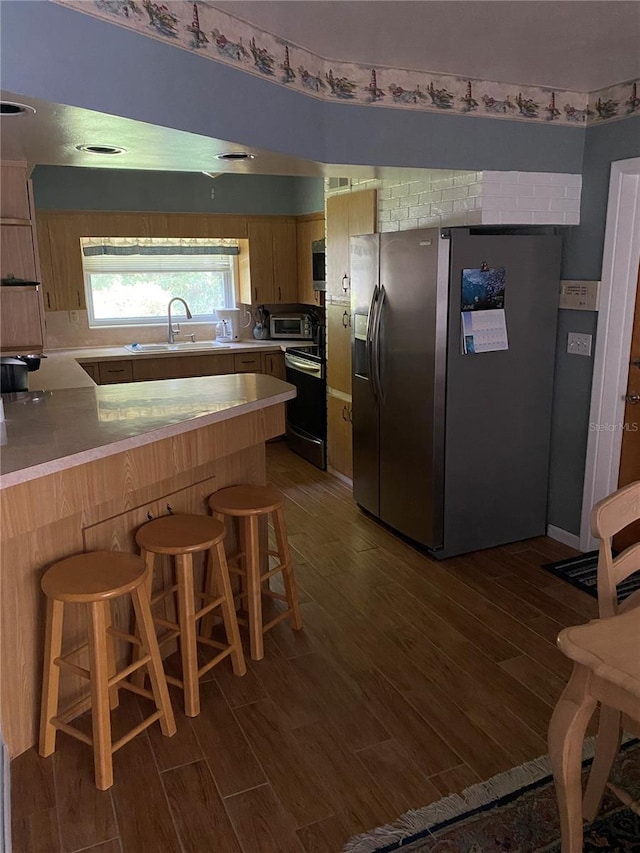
608 517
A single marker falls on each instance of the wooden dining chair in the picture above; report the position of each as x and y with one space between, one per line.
606 669
608 517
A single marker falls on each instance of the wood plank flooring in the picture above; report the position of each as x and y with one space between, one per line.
412 678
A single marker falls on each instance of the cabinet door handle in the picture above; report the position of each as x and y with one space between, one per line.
279 294
113 370
344 413
149 517
169 510
255 293
346 320
350 413
78 298
49 301
345 278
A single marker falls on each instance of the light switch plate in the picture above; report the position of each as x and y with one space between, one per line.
578 344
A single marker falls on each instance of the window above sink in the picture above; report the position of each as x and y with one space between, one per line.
130 280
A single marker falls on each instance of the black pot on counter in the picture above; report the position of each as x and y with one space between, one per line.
14 372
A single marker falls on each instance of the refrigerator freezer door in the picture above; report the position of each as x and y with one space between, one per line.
412 323
365 253
499 403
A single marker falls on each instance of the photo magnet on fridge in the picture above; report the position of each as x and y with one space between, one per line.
483 288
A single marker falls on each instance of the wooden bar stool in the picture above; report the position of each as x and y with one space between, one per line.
94 579
248 503
182 536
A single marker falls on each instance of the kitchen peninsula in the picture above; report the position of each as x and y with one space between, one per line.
83 467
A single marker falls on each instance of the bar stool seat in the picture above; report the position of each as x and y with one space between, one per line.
248 503
95 579
181 536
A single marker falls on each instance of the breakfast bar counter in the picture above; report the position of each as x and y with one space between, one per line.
82 468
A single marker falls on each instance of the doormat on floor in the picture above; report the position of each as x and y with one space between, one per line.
515 811
582 571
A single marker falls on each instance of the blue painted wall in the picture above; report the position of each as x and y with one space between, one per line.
72 60
69 188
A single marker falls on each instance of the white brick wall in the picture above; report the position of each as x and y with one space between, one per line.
442 197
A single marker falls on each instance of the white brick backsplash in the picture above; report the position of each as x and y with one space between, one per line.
491 188
568 204
535 177
534 203
442 208
455 192
549 192
491 217
444 197
547 217
517 217
400 191
442 183
399 213
513 190
428 198
463 204
567 180
500 177
389 203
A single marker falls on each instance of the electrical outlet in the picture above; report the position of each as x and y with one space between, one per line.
578 344
74 318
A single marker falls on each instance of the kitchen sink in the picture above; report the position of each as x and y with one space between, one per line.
188 346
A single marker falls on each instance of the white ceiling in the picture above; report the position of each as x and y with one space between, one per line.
580 45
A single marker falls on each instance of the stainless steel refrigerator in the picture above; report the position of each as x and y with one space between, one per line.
451 449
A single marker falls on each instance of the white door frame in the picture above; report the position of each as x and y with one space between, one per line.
613 340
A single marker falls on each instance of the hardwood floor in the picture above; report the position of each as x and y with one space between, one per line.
412 678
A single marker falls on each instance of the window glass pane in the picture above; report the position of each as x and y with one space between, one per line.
147 294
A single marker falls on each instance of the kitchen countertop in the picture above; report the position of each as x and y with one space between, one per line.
62 368
47 431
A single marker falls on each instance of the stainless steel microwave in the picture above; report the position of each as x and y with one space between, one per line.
292 326
319 268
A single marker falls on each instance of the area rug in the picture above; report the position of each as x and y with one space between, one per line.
514 812
582 572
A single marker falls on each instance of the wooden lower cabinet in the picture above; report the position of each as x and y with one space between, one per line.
182 366
246 362
112 372
339 434
273 365
339 347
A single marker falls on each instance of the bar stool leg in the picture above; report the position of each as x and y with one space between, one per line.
100 712
144 619
114 693
149 558
51 679
288 578
211 588
254 589
188 649
228 608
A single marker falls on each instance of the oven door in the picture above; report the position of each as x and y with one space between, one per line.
307 413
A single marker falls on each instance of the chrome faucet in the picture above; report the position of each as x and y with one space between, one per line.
175 330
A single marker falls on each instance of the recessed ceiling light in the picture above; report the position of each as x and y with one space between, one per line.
235 155
11 108
101 149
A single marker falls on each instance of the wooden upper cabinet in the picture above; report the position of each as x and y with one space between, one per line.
17 255
14 199
285 265
308 230
348 214
66 262
268 270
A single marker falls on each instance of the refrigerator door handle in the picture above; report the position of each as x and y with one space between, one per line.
369 339
376 344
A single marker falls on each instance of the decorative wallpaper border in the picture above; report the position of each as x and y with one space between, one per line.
202 28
